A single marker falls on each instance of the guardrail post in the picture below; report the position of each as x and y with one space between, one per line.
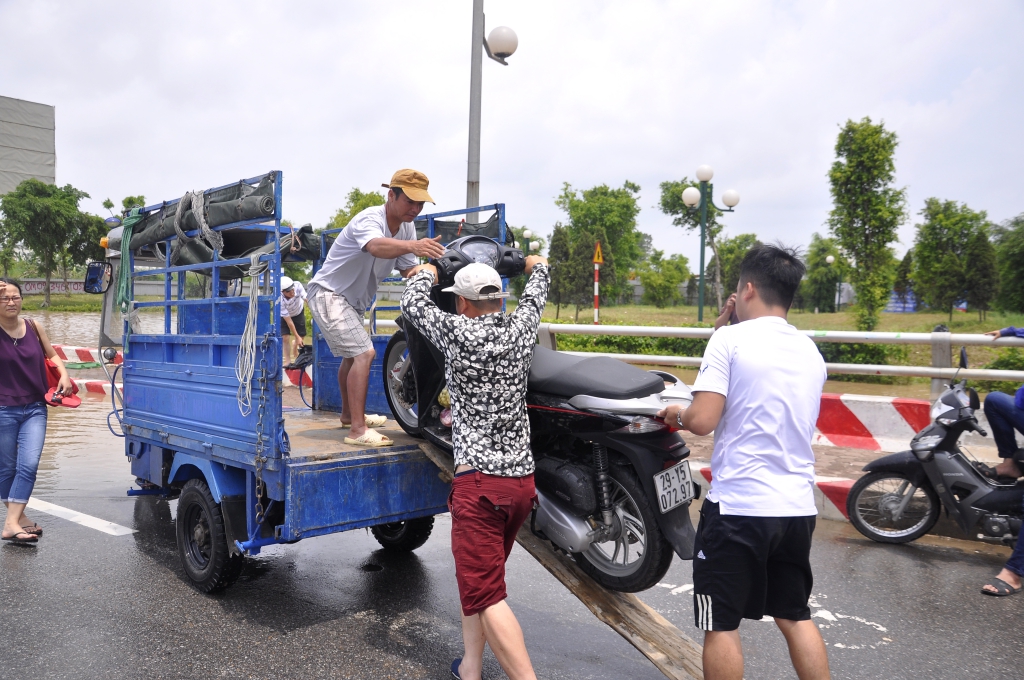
942 354
545 338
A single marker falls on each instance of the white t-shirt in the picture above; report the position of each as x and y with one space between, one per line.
771 376
352 272
293 306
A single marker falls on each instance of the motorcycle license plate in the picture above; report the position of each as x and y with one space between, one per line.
674 486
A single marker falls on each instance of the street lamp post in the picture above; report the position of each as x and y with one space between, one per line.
839 288
501 43
700 199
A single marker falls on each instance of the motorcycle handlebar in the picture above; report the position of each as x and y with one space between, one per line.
973 425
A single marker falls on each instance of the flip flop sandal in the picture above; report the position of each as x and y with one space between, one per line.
455 668
989 472
370 438
372 420
32 528
15 538
1002 588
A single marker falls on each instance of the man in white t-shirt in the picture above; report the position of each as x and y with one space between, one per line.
376 241
293 313
759 390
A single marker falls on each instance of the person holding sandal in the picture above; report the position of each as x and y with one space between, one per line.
24 348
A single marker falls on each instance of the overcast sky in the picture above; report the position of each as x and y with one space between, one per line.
159 98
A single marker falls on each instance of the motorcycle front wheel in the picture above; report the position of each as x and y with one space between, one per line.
886 507
638 555
401 391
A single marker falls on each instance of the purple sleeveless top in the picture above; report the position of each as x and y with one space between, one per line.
22 369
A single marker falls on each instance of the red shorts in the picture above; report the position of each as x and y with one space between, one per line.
487 512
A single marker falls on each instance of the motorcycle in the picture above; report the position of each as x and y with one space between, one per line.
613 483
900 498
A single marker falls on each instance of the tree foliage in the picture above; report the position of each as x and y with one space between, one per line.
46 220
356 202
946 243
1009 241
821 284
671 203
867 210
730 253
903 284
518 284
558 255
661 277
579 270
608 215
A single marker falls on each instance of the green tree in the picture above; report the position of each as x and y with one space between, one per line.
672 204
1009 242
578 275
558 255
129 202
818 289
941 253
356 202
903 284
49 223
9 241
609 215
867 210
661 278
518 284
730 253
982 272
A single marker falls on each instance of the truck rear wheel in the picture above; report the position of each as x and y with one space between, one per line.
202 542
403 536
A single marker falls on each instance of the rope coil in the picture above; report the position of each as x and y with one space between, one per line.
245 362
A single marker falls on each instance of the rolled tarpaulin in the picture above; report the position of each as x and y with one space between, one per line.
248 208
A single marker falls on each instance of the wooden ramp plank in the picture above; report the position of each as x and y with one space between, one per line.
671 651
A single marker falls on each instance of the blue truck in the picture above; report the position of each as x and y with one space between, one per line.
202 407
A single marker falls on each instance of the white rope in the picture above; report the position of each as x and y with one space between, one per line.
245 362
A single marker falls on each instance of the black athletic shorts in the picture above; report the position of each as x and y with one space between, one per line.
749 567
300 325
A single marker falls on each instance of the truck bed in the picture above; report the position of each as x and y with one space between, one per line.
317 435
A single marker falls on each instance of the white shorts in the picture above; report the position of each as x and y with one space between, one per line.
340 323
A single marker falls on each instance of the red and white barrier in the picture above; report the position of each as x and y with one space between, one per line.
94 386
83 354
292 376
830 493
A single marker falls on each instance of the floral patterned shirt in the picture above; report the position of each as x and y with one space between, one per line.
487 361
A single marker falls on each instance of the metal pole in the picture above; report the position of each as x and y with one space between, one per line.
475 83
597 296
703 229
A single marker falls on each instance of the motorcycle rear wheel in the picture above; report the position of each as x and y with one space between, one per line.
610 563
398 393
875 497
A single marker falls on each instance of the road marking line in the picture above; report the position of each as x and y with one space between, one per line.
79 518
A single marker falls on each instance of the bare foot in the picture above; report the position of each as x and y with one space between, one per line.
1005 575
1008 468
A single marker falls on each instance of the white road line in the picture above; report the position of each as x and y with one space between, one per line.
79 518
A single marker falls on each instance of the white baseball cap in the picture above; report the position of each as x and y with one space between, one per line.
475 277
286 283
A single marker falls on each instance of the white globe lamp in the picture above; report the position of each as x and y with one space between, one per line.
830 259
527 233
691 196
503 42
731 198
705 173
534 245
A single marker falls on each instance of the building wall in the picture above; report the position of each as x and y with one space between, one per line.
27 143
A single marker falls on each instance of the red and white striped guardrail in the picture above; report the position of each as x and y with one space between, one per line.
83 354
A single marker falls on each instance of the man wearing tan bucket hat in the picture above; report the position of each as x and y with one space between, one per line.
376 241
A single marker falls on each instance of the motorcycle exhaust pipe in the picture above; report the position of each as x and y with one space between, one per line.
560 526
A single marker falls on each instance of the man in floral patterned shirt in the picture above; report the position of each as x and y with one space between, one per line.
487 361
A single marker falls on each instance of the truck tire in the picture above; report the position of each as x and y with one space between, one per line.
403 536
202 542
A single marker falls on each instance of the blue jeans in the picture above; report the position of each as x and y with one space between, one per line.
22 432
1016 561
1006 420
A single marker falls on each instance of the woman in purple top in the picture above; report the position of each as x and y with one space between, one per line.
23 387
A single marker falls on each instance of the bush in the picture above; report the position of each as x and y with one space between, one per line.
634 344
848 353
1011 359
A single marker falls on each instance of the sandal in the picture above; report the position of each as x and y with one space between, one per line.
372 420
1002 588
456 667
370 438
18 540
989 472
31 527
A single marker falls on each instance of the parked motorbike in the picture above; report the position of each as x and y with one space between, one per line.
613 483
900 498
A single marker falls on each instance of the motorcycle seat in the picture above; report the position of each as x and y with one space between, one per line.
567 375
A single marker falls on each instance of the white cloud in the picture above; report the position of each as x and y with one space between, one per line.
159 99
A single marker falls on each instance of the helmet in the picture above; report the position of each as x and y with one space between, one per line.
286 283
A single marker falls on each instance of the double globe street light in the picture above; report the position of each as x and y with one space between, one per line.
500 44
700 199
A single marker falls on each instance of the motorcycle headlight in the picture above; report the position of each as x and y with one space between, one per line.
926 443
642 425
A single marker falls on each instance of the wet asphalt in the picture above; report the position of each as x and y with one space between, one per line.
86 604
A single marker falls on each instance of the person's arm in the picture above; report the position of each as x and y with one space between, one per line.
1009 330
393 248
531 303
295 333
420 310
710 391
64 385
727 311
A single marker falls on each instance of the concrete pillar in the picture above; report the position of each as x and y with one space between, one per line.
942 357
